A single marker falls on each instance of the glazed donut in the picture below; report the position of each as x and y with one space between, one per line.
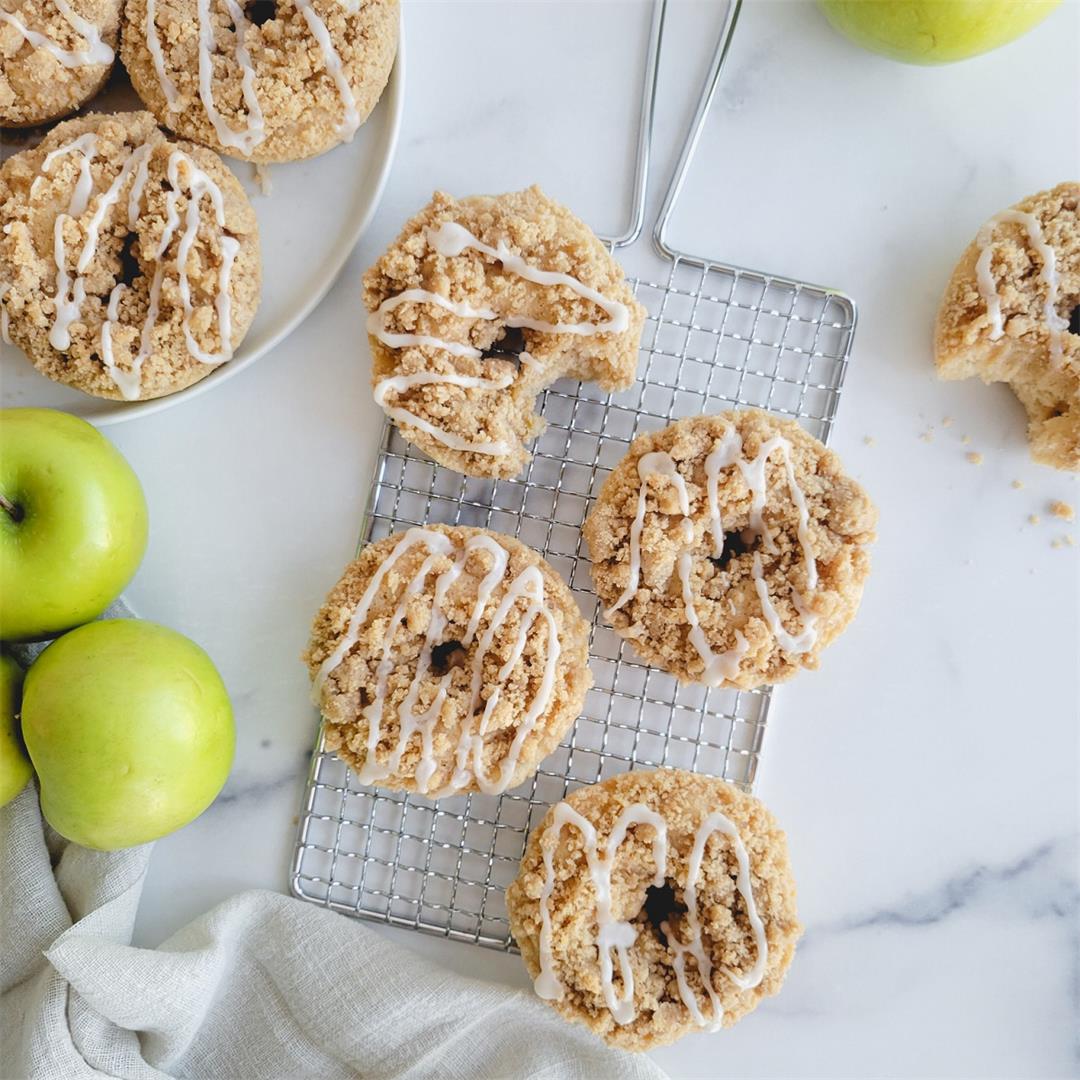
477 306
276 89
129 263
655 904
1011 313
730 549
56 54
448 659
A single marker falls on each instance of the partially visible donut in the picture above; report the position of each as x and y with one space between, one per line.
129 263
270 85
655 904
448 659
477 306
1011 313
730 549
56 56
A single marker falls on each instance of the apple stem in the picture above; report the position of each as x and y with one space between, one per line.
13 510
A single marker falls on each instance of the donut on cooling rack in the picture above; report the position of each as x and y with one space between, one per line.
730 549
1011 313
477 306
655 904
56 54
269 81
448 659
129 263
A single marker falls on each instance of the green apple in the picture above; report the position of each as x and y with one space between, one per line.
130 730
73 523
935 31
15 767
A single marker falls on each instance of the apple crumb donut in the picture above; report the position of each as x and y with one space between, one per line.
1011 313
129 263
270 85
655 904
448 659
479 305
730 549
56 56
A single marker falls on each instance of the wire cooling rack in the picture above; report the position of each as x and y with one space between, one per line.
715 337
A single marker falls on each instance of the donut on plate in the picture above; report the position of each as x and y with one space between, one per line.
479 305
277 80
1011 313
56 56
448 659
129 263
730 549
655 904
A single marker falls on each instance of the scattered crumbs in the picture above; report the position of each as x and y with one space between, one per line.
1033 519
1069 541
947 422
261 175
927 436
1017 484
965 439
869 440
975 458
1056 543
1062 510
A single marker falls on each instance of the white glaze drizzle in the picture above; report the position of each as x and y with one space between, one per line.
200 185
611 934
654 464
727 451
96 50
527 585
619 936
450 240
397 384
153 43
71 292
350 119
254 132
1055 324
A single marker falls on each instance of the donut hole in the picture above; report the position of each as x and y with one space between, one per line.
129 262
447 655
1074 320
511 343
735 544
259 12
661 905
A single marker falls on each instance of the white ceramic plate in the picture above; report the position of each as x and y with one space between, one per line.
303 249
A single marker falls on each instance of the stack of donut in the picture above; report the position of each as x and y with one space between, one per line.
129 259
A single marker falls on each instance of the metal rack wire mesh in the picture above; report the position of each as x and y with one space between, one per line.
715 337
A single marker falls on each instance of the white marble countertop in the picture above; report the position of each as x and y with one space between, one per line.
927 774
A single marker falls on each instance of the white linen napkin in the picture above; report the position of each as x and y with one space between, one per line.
261 987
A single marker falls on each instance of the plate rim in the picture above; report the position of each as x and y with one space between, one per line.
393 97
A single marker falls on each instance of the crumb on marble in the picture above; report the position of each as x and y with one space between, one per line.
927 435
965 439
974 457
1062 510
869 440
1017 485
1033 519
947 421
